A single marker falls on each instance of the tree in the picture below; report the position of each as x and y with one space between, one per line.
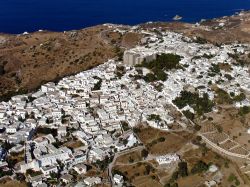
223 97
136 130
144 153
20 176
53 175
125 126
161 75
161 139
150 77
102 165
215 68
244 110
175 176
162 63
189 114
197 140
125 141
219 128
11 162
7 146
148 169
154 117
175 185
130 159
200 40
200 104
199 167
97 85
61 165
197 127
5 173
183 169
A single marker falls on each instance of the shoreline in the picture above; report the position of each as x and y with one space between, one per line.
169 20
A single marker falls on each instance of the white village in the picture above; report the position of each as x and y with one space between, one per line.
97 110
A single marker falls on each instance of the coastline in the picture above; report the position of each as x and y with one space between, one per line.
169 19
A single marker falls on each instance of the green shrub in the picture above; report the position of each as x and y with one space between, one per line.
199 167
200 104
183 169
244 110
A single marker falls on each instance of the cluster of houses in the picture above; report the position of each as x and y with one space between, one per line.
73 107
198 60
94 107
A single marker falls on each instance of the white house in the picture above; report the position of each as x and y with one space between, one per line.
91 181
80 168
168 159
131 140
2 113
50 159
47 170
118 179
67 178
62 131
11 129
97 154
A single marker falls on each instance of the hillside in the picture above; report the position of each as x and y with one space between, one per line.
29 60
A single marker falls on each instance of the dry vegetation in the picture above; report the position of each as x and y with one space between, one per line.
233 124
17 156
7 182
161 142
27 61
226 167
134 156
139 174
74 144
149 173
135 169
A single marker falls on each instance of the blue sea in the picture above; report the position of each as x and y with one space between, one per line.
17 16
